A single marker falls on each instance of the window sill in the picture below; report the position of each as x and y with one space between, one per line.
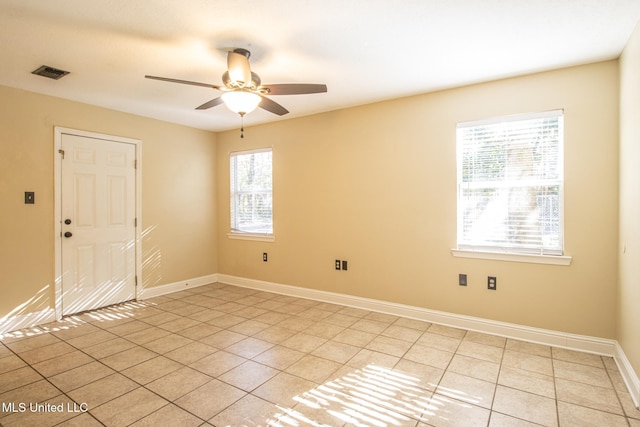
252 236
502 256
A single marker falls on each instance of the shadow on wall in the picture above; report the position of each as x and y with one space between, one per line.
151 260
38 309
33 311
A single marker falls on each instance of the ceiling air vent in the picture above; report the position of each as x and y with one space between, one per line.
50 72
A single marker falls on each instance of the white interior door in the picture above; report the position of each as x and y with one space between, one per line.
98 222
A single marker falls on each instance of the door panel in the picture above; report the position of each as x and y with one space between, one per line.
117 194
85 272
85 198
98 201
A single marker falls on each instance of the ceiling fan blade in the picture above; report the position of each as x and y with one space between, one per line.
294 88
272 106
238 67
209 104
185 82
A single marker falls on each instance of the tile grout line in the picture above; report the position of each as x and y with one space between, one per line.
62 393
119 372
226 298
495 390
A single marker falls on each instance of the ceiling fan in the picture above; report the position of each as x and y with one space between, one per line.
243 90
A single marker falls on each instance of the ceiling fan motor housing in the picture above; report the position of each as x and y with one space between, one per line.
229 84
243 52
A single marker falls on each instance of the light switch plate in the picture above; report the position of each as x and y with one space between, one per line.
29 198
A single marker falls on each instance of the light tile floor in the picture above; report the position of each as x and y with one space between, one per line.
228 356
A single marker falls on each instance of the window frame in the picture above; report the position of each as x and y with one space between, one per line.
235 233
505 252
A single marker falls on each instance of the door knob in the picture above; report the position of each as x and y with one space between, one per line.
67 221
68 234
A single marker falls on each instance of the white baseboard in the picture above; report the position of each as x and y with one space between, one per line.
583 343
156 291
20 321
13 323
628 374
601 346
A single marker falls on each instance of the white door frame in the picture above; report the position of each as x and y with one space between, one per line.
58 132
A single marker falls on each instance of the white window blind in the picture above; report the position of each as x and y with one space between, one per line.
510 184
251 192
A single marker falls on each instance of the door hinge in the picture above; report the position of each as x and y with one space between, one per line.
135 164
135 222
61 151
136 280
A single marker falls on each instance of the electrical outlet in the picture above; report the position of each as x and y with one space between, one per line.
338 264
264 256
462 279
344 265
492 283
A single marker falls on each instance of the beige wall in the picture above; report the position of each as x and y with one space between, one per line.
178 185
629 282
376 185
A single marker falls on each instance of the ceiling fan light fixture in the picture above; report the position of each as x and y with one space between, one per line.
241 102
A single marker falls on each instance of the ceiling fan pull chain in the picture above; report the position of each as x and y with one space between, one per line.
241 125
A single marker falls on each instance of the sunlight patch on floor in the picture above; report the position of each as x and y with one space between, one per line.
373 396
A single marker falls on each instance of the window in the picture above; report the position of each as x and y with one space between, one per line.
510 184
251 193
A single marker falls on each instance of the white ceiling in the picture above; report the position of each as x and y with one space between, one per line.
364 50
